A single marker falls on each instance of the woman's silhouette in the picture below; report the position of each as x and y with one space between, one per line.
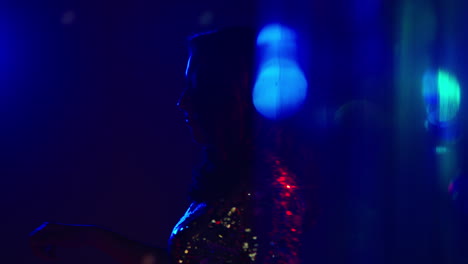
245 207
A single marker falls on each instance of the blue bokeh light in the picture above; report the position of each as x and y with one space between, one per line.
275 34
442 95
281 86
280 89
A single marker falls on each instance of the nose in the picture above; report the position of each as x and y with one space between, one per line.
184 103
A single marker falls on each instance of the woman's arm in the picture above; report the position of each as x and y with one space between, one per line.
48 236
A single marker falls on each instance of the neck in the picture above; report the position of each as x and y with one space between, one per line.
226 154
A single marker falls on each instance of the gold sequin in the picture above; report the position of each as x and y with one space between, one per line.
245 246
221 229
252 256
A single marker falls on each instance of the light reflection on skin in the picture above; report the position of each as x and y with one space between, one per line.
185 104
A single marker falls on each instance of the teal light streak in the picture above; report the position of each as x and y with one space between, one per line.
280 89
449 96
275 34
441 150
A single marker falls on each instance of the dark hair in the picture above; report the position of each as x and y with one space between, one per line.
233 44
229 52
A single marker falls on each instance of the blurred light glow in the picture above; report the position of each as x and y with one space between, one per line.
442 96
275 34
281 86
441 150
449 96
280 89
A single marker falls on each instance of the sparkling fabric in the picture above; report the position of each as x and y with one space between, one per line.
254 225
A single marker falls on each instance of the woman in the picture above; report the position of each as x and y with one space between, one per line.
245 207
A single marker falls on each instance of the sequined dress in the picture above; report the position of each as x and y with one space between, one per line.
261 225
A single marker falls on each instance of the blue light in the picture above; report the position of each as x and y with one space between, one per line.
442 96
280 89
281 86
275 34
441 149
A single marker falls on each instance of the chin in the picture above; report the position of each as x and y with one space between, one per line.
198 138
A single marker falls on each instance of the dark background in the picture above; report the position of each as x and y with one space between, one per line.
89 131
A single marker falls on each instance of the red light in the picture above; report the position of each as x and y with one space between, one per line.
289 213
293 229
281 179
288 186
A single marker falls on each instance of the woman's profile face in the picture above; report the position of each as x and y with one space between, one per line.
211 108
187 105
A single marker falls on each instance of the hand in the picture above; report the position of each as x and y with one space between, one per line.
48 236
